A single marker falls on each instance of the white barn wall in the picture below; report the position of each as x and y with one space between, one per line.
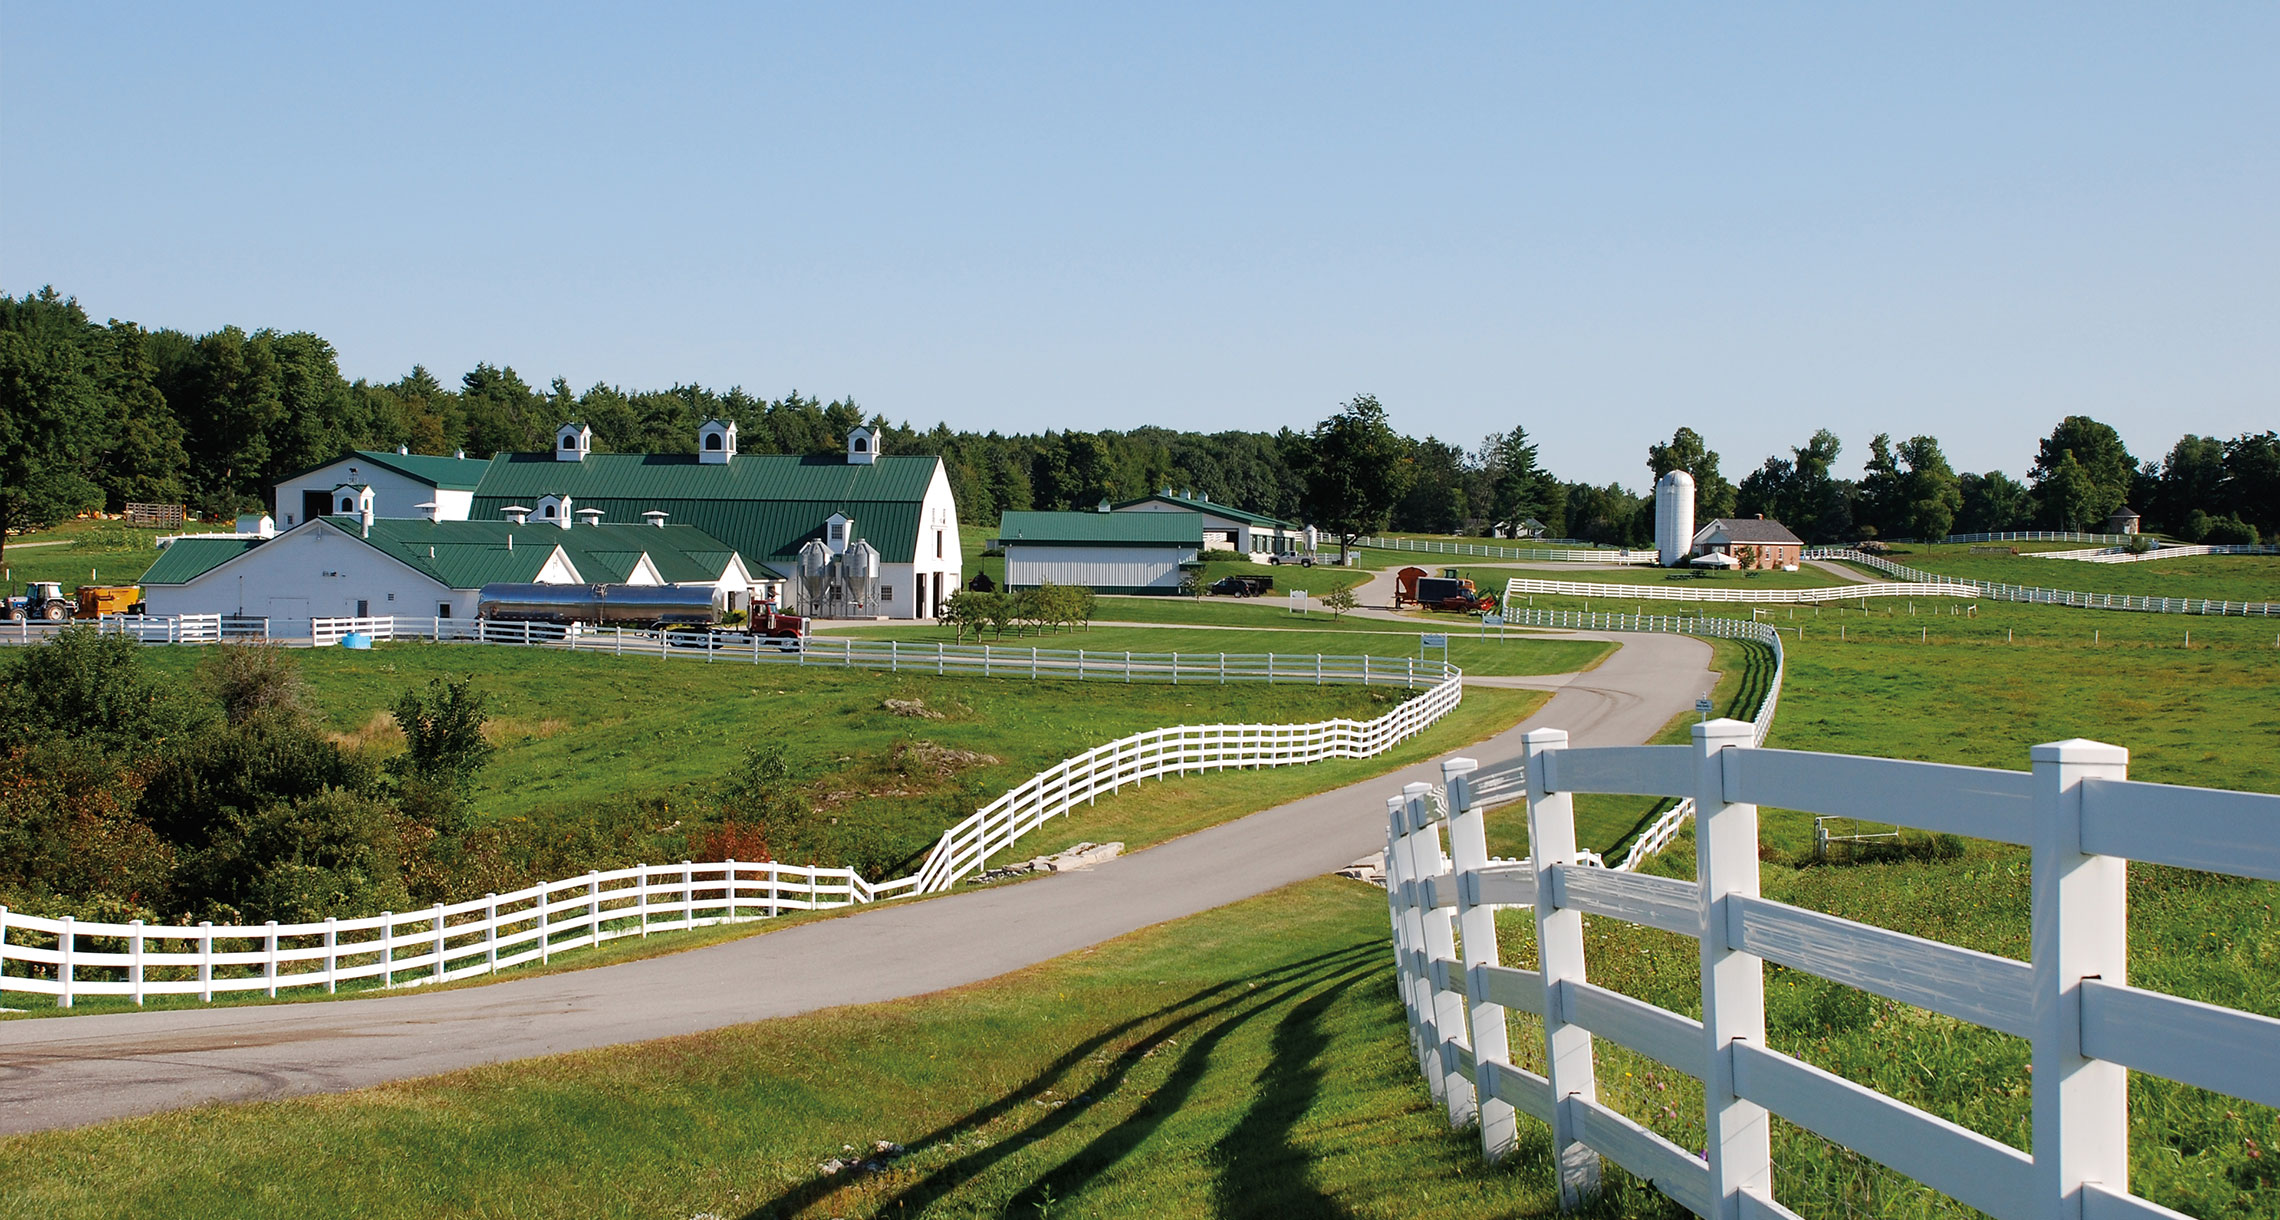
393 494
1028 564
312 571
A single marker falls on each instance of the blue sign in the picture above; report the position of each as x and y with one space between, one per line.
1492 620
1433 641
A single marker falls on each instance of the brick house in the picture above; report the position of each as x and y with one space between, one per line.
1752 542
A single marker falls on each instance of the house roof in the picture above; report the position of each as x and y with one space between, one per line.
1103 529
1744 531
471 554
187 559
1212 507
443 473
764 506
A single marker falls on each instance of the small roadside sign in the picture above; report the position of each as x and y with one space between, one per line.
1703 706
1435 641
1492 620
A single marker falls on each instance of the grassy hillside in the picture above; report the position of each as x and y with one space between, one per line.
1512 655
2217 577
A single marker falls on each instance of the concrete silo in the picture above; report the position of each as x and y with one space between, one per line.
1674 518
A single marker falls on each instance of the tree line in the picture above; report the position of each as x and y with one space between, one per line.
94 415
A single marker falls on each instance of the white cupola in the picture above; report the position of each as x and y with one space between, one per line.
862 446
352 500
554 510
716 442
572 442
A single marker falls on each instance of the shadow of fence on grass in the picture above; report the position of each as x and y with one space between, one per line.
1259 1169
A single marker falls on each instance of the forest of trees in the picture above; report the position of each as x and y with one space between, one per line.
93 415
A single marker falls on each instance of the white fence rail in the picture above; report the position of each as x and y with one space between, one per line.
2123 554
1995 591
1692 591
67 958
2037 536
1484 550
2077 812
1507 781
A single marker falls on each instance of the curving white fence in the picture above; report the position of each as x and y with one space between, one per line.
1499 783
2078 813
1483 550
67 958
2122 554
2036 536
1679 591
1995 591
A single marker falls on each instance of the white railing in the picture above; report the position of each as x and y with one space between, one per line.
2123 554
150 629
2082 819
1508 780
457 940
1434 546
2036 536
1680 591
1995 591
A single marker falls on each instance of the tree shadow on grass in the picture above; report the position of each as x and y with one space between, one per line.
1244 996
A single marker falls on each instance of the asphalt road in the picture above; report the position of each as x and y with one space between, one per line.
73 1071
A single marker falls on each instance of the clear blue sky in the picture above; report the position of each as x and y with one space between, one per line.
1599 222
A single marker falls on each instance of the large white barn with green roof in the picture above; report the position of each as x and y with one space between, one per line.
338 567
1138 552
765 509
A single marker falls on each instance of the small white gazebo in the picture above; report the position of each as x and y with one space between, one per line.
1715 559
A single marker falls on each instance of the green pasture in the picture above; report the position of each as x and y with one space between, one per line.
1490 578
573 728
1514 654
1316 580
2240 578
114 554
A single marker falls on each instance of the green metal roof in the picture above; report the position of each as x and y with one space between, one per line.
1104 529
1208 506
764 506
471 554
187 559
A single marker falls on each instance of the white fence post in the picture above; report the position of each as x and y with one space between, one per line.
490 933
1476 925
1439 944
269 956
206 960
135 965
439 939
332 954
1559 950
64 969
2080 904
387 948
1409 954
1733 982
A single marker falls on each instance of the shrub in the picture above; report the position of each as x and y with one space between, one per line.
254 679
89 688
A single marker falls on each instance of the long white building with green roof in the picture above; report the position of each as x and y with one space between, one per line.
338 567
764 508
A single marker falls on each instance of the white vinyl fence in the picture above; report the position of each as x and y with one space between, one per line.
1484 550
2036 536
2077 812
67 958
2123 554
1696 591
1995 591
1508 781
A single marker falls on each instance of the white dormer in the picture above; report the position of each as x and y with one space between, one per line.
553 510
838 532
862 446
716 442
352 500
572 442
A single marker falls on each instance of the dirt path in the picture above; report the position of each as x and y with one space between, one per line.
73 1071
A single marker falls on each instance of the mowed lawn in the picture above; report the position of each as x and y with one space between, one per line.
1249 1061
1511 654
573 726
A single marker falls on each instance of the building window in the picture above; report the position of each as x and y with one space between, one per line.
550 510
938 544
835 531
861 445
347 506
712 440
363 608
886 593
569 442
443 609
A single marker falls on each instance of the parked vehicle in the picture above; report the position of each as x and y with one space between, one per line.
599 605
95 601
1243 586
41 599
1405 586
770 623
1453 593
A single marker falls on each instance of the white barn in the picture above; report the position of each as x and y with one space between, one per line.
1132 552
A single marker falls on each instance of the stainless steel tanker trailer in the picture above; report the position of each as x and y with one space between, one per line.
599 605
